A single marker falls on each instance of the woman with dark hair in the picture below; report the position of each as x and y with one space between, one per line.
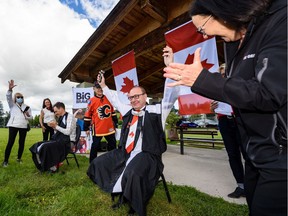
20 113
255 42
46 116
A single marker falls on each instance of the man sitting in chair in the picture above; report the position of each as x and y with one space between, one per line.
47 155
133 170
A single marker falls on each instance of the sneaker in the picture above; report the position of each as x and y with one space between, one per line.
53 169
239 192
19 161
4 164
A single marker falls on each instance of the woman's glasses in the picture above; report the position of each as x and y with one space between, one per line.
200 29
19 97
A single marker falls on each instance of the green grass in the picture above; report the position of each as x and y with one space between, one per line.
24 191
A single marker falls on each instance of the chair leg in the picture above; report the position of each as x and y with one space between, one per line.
166 188
67 160
76 160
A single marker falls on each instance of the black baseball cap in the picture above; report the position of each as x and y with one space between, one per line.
96 85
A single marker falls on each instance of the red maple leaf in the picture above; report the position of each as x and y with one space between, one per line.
128 85
206 65
190 59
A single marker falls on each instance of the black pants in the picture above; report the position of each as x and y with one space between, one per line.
96 145
266 191
232 142
50 153
49 131
11 139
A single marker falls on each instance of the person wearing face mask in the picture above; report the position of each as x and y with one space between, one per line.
20 113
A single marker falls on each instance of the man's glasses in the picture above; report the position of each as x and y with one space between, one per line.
19 97
135 96
200 29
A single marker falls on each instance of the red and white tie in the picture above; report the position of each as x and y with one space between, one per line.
131 134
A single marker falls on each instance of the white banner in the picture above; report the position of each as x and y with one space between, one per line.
224 109
81 97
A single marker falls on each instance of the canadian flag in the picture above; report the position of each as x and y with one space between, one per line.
184 40
125 75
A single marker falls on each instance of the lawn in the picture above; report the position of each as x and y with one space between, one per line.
24 191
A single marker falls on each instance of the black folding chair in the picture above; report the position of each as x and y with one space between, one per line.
71 153
165 187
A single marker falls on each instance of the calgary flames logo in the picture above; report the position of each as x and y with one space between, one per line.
104 111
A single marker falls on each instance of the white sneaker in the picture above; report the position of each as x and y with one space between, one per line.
4 164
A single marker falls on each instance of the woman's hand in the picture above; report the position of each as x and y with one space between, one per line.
11 85
184 74
168 55
27 114
43 128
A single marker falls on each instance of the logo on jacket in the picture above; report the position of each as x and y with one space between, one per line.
104 111
249 56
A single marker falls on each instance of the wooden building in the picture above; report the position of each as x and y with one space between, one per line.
137 25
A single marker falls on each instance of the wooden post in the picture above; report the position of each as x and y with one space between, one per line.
181 141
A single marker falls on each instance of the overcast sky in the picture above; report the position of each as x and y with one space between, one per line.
38 39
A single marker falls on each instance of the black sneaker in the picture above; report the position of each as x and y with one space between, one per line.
4 164
239 192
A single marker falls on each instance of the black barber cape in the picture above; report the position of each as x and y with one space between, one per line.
138 173
52 152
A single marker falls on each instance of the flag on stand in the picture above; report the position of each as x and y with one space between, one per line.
125 75
184 40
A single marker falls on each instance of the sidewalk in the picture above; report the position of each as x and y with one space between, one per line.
207 170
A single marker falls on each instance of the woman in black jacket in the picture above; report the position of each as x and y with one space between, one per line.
255 42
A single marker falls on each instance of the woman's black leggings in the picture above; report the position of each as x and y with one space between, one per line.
12 136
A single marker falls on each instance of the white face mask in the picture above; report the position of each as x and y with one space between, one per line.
19 100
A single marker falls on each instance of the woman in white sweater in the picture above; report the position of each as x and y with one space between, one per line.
20 113
47 115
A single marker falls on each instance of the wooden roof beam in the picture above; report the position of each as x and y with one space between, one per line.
154 11
110 22
140 46
145 75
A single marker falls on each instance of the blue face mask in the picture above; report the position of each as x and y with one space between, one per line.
19 100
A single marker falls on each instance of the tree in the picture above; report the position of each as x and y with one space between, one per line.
6 118
36 121
2 115
171 120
